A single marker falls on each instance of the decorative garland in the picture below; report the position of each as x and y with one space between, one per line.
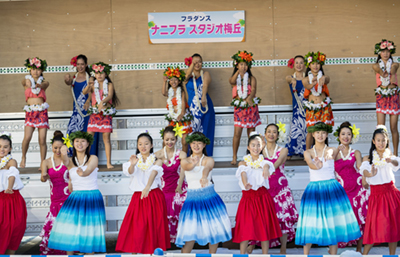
311 106
196 93
171 72
387 92
36 107
381 127
323 151
111 111
79 134
77 161
172 161
354 131
242 103
171 112
320 126
5 160
197 137
319 87
7 134
149 161
385 44
243 56
59 167
377 161
253 164
34 89
347 156
315 57
36 63
385 81
273 155
100 67
241 85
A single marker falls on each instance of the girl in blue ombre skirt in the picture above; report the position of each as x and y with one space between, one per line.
80 224
203 218
326 216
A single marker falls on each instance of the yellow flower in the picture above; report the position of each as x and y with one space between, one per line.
355 131
67 141
178 130
282 127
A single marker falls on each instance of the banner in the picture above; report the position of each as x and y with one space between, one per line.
196 27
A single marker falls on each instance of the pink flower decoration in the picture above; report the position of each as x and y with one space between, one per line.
38 64
101 68
390 47
94 67
388 43
383 45
32 61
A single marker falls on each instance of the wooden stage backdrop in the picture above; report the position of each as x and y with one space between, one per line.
115 31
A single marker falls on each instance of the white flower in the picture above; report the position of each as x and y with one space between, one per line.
256 100
309 59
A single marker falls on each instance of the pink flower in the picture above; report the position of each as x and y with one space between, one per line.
94 67
309 59
38 64
101 68
32 61
389 44
390 47
383 45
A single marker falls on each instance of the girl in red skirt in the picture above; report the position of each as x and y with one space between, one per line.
256 216
145 225
383 217
245 102
36 108
104 100
387 92
12 206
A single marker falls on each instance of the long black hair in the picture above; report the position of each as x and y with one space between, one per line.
309 69
251 139
248 71
85 60
5 137
204 149
144 134
373 147
57 136
379 56
197 55
87 153
276 126
115 100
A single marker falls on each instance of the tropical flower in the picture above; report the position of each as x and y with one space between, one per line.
74 60
291 63
178 130
188 61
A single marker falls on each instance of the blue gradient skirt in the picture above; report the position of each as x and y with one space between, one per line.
203 218
80 224
326 216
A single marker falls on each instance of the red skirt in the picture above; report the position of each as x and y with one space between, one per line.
388 105
256 217
383 217
246 117
100 123
12 220
145 225
37 119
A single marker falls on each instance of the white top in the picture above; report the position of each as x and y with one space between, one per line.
6 174
139 177
83 183
194 176
384 174
255 176
327 171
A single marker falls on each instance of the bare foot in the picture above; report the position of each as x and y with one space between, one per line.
234 161
289 157
250 248
109 166
22 163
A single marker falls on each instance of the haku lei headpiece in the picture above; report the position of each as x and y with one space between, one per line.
78 134
197 137
35 63
7 134
171 72
383 45
320 126
381 127
100 67
315 57
254 133
354 131
243 56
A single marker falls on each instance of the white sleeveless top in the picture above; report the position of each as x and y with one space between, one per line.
6 174
327 171
193 176
83 183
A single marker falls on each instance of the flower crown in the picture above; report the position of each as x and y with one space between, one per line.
381 127
383 45
320 126
100 67
243 56
4 133
35 63
171 72
315 57
354 131
254 133
78 134
199 137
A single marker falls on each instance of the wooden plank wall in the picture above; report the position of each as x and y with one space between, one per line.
115 31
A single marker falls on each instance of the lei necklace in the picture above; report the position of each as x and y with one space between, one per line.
149 162
97 91
5 160
94 109
323 152
59 167
196 93
273 155
385 81
319 87
34 89
242 87
172 160
73 94
253 164
171 112
77 162
294 75
347 156
377 161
